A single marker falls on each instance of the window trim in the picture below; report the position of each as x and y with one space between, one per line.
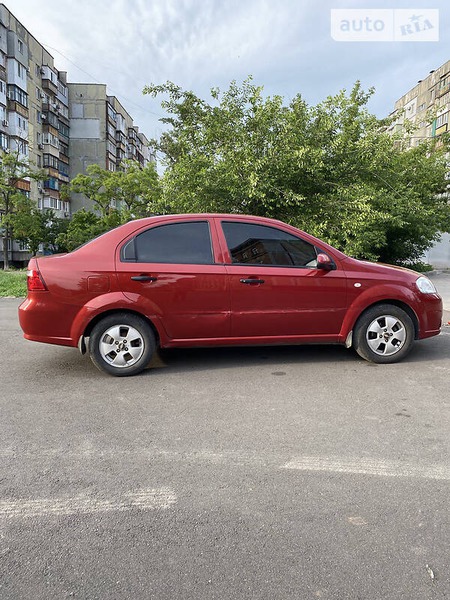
259 265
167 262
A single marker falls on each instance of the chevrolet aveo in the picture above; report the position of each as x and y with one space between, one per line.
221 280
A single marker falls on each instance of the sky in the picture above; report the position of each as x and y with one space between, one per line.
286 45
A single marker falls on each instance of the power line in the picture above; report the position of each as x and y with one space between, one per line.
96 81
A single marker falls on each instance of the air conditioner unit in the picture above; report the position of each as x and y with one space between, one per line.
41 146
42 71
42 96
43 117
5 123
66 214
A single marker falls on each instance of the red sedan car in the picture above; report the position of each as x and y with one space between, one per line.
213 279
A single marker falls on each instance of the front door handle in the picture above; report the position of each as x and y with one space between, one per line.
144 278
252 281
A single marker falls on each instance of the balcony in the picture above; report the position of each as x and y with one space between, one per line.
51 119
14 106
49 80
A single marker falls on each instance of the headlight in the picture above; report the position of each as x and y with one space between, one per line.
425 286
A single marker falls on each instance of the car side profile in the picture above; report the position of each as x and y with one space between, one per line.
221 280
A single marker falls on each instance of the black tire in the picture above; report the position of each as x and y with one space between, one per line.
122 344
383 334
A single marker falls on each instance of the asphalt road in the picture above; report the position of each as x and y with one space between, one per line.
260 473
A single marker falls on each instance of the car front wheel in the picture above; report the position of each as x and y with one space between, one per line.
384 334
122 344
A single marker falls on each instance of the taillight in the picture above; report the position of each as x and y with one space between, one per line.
35 282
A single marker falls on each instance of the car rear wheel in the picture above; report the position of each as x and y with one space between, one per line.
122 344
384 334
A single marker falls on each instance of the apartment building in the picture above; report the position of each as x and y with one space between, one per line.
34 115
102 132
427 107
59 127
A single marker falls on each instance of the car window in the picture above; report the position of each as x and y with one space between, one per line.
185 243
261 245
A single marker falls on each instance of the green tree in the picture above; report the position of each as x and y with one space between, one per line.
83 226
29 224
330 169
13 168
56 227
134 189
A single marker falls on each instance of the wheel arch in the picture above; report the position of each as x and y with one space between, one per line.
93 322
403 305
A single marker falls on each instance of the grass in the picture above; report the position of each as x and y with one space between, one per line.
13 284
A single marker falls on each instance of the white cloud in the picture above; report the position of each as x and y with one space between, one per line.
199 44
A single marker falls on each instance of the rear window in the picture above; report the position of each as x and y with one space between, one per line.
182 243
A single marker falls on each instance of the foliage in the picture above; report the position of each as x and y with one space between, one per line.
420 267
13 168
56 228
133 188
13 284
83 226
29 224
331 169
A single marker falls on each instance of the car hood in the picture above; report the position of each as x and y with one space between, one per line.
390 271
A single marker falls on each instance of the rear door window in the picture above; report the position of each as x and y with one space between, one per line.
178 243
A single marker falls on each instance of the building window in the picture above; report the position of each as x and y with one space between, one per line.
63 129
18 95
3 141
22 147
63 168
51 139
111 112
20 47
62 89
52 183
50 161
441 120
22 123
52 203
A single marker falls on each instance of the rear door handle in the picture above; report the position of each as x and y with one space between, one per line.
252 281
144 278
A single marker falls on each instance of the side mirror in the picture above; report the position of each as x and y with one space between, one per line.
325 262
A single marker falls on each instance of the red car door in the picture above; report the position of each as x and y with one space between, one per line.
276 288
169 271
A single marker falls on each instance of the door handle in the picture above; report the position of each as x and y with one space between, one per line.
144 278
252 281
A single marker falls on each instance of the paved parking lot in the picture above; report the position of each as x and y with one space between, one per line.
259 473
